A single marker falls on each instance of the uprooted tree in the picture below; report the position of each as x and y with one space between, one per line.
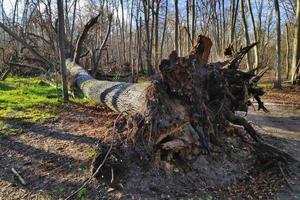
189 109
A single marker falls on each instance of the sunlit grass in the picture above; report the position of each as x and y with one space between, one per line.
27 100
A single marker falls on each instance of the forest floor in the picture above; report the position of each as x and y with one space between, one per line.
52 146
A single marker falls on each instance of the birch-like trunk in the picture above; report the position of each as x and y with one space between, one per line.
118 96
296 50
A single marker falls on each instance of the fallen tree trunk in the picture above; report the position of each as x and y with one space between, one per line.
188 106
189 109
118 96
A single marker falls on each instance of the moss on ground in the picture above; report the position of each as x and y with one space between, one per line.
26 100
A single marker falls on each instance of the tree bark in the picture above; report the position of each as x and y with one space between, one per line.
146 7
101 48
156 41
73 24
256 53
288 67
83 35
61 42
164 31
247 38
123 32
296 48
118 96
193 20
176 40
188 24
234 13
277 83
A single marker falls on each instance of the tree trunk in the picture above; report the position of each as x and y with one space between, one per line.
148 36
247 38
130 36
277 83
287 71
296 50
164 31
61 42
73 24
234 13
256 53
117 96
193 20
176 40
156 41
188 23
123 33
83 35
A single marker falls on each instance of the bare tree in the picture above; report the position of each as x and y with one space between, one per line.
164 30
176 27
296 50
234 13
287 33
246 33
256 54
277 83
61 42
73 22
193 20
156 30
148 36
123 32
188 24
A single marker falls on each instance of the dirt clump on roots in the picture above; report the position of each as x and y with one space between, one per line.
132 170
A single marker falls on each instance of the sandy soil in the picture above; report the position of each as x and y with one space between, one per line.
54 157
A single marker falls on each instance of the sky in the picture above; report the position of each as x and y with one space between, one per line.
9 7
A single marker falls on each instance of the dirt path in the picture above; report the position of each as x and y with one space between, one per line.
54 157
282 121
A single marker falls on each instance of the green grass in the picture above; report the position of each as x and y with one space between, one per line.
25 100
266 85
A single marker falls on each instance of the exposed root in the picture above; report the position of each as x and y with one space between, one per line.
188 114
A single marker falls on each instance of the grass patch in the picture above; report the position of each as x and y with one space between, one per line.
28 100
25 99
8 129
266 86
91 153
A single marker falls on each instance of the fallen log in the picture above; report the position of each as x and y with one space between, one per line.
191 98
188 110
118 96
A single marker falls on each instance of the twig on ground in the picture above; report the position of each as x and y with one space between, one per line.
100 166
284 176
18 176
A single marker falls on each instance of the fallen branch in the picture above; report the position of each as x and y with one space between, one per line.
18 176
83 35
